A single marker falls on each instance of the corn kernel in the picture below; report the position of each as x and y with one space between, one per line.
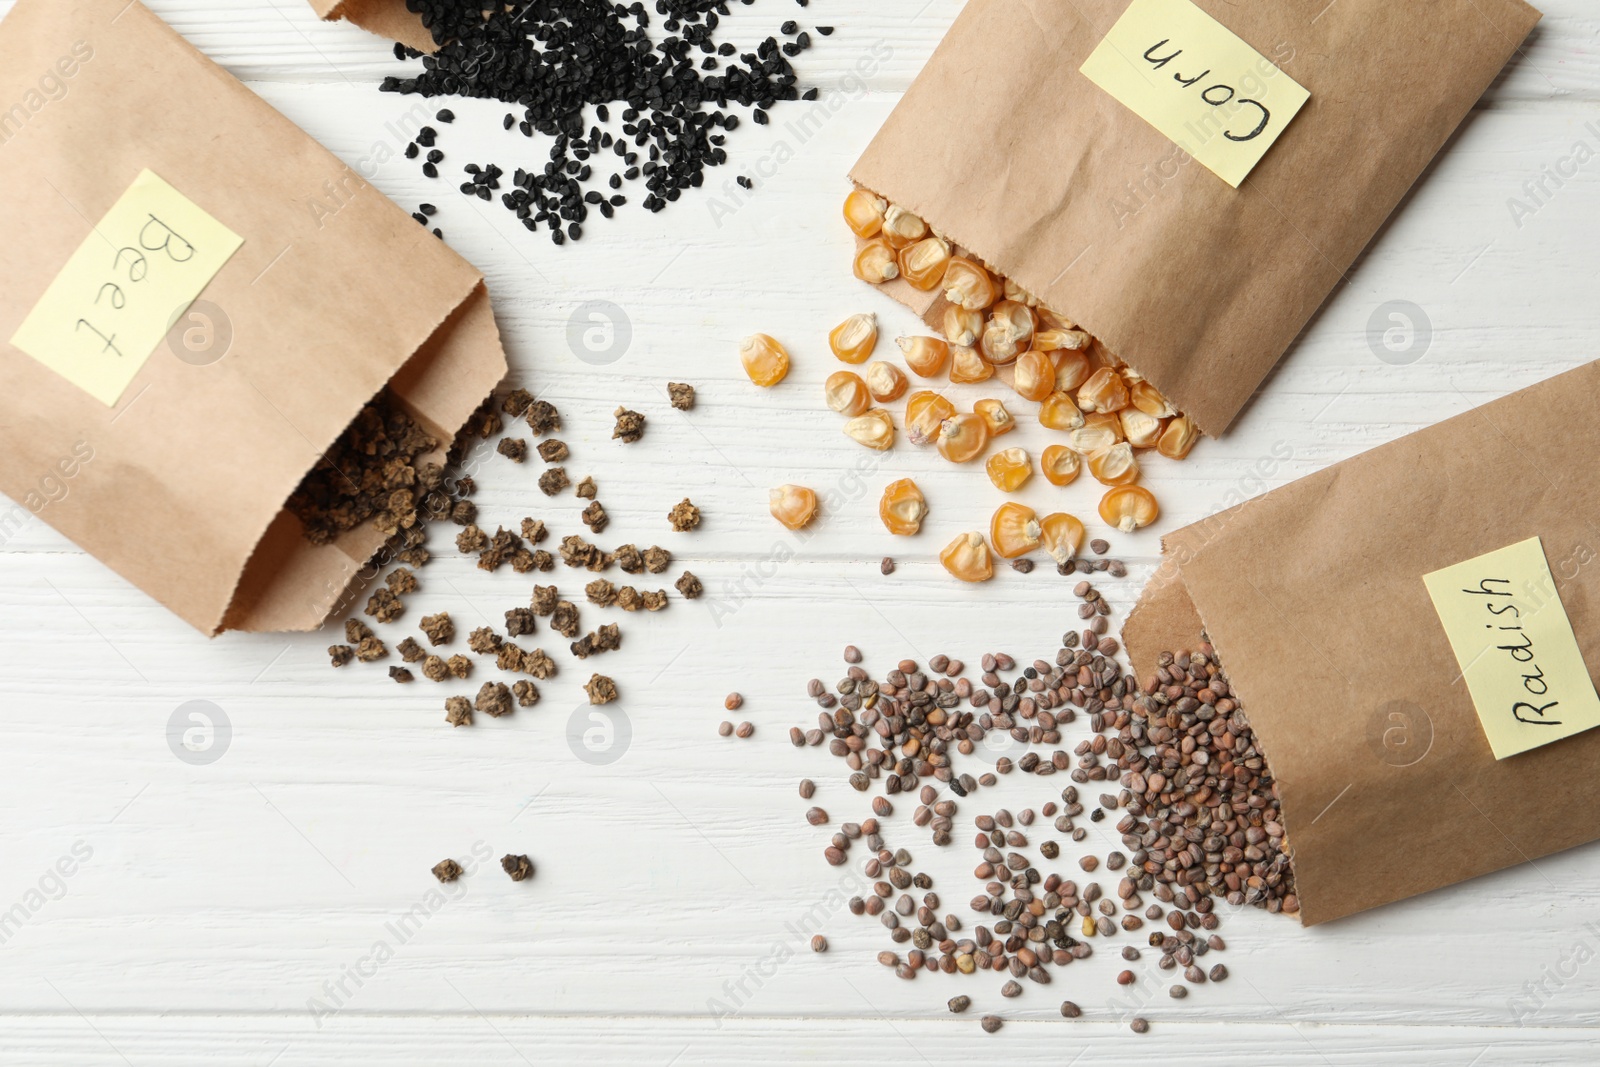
1178 438
875 429
875 263
1057 340
901 227
1061 535
963 437
1009 469
847 393
1129 507
1098 431
1008 332
968 285
854 339
995 416
885 381
863 213
926 356
1014 530
765 360
1141 429
967 558
1054 320
1105 391
923 263
1072 369
1060 464
1033 376
1148 399
793 505
902 508
962 327
967 366
1116 465
1013 291
1058 412
925 414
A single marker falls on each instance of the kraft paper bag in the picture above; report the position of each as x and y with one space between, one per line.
386 18
1005 148
1313 596
179 484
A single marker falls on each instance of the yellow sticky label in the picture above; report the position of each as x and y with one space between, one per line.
1516 648
1197 82
125 287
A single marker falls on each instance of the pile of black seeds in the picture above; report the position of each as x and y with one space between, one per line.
554 58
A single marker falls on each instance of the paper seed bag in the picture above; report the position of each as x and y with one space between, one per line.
129 160
1008 149
386 18
1315 597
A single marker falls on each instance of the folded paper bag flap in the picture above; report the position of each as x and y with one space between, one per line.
1004 147
1313 597
386 18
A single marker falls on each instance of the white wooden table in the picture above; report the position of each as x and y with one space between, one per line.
213 906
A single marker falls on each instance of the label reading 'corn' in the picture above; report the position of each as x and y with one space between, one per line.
1196 81
1516 648
119 294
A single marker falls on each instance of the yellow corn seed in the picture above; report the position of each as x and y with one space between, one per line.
875 429
1014 530
1009 469
1116 465
1098 431
1008 332
863 213
963 437
967 365
926 356
1060 464
1148 399
901 227
854 339
1072 369
1141 429
1105 391
1033 375
1012 291
968 285
962 327
847 393
1058 412
793 505
1061 340
995 416
925 414
923 263
875 263
765 360
902 508
967 558
1061 535
885 381
1129 507
1178 438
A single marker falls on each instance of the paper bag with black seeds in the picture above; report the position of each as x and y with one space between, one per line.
185 334
1314 596
1005 146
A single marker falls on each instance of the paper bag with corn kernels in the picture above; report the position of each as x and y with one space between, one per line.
1106 204
1320 600
186 326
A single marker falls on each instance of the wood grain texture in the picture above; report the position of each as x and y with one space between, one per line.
221 906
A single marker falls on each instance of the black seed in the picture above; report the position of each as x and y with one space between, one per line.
446 115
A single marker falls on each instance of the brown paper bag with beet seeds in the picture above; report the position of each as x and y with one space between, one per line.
1313 596
334 294
1004 147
